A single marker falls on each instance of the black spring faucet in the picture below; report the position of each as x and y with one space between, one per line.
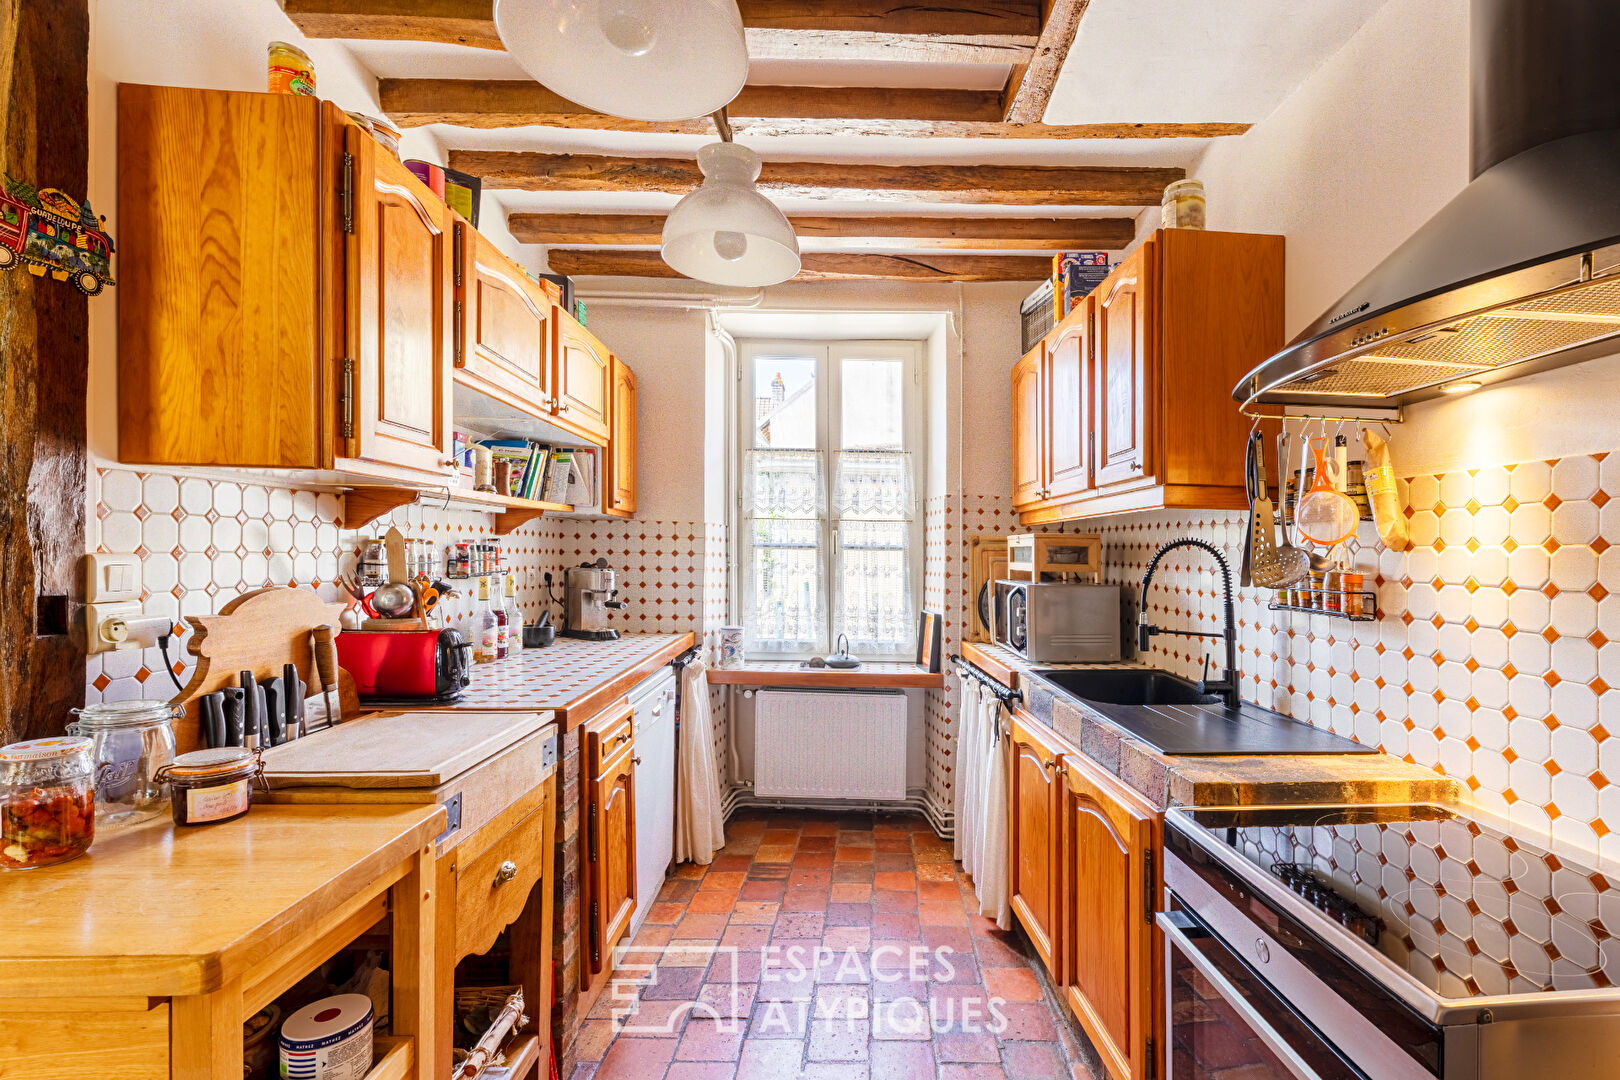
1226 686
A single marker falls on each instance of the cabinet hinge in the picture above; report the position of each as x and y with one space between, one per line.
348 397
593 842
455 330
1152 1060
596 946
455 254
1149 890
348 192
1091 448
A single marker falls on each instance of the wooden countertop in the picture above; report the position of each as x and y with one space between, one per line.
162 911
574 679
1209 780
873 673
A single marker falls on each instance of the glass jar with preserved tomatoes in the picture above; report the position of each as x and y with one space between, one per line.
47 801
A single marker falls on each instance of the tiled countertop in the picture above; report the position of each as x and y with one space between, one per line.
573 678
1210 780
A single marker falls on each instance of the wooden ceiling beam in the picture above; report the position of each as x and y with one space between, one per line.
1029 89
1019 185
821 266
758 111
943 31
962 233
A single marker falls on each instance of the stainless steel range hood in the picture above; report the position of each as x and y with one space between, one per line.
1521 271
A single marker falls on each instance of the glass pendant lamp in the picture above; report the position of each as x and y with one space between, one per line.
726 232
655 60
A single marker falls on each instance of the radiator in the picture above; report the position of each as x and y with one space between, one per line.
830 744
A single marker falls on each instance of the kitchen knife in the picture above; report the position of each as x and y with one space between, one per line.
273 729
234 705
293 691
326 669
252 710
213 719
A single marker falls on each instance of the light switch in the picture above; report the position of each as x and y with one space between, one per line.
111 579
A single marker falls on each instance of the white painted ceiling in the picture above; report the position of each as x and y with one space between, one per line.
831 325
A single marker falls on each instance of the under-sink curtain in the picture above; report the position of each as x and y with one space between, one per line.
700 823
980 802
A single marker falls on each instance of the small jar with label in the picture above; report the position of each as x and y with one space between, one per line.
1183 205
211 786
47 801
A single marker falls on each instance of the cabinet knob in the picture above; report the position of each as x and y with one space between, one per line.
506 872
563 407
636 760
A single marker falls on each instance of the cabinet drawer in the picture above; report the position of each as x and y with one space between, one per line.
606 738
491 891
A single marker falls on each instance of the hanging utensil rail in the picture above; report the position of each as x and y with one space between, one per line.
1008 697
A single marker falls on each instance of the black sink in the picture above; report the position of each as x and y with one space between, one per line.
1127 686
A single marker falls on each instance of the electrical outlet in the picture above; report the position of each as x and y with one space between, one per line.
107 626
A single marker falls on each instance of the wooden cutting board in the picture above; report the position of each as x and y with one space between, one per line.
398 750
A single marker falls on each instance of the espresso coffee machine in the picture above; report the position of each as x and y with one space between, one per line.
590 592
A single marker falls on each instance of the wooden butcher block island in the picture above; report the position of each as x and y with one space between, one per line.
142 959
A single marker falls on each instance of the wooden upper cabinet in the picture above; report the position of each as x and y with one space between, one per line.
584 380
399 313
1110 949
220 358
1033 837
621 469
1168 334
1028 459
1126 370
1066 396
503 342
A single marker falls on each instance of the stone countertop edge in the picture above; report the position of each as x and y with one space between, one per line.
1226 780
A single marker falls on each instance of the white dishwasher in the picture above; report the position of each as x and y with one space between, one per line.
653 702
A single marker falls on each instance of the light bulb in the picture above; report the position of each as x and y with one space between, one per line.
1460 387
730 245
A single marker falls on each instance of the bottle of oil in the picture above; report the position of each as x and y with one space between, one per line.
486 628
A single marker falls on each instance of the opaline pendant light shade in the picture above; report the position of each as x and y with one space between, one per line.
726 232
640 59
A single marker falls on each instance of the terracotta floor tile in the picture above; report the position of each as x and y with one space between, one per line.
894 843
780 836
727 1000
894 862
838 1001
674 983
754 912
810 877
893 924
835 1070
665 912
966 1047
723 881
701 926
654 934
935 871
902 1019
683 952
818 860
657 1019
999 951
902 1061
955 938
819 827
761 891
842 1039
1033 1060
714 903
746 937
1028 1020
849 914
701 1070
856 837
769 1059
903 988
843 967
593 1039
689 870
816 845
854 854
1012 983
728 862
851 892
939 890
971 1072
799 924
805 900
780 1020
858 938
935 913
710 1040
852 872
885 879
763 871
585 1070
678 890
774 853
889 899
636 1059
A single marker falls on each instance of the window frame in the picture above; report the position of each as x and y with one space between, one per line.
828 356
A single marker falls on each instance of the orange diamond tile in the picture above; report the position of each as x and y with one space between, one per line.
1552 502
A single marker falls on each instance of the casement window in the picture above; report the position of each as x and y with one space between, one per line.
830 526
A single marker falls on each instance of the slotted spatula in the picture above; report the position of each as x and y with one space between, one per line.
1271 568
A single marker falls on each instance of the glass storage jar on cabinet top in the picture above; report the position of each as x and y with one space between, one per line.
133 740
47 801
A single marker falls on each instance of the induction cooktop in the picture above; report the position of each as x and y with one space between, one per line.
1462 906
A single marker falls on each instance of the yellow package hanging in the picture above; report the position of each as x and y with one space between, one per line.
1388 514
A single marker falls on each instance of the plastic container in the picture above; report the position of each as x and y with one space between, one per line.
329 1039
133 741
211 786
1183 205
47 801
291 70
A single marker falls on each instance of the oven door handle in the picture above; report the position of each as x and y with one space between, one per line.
1177 938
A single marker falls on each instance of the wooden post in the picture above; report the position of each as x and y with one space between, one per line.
205 1040
412 903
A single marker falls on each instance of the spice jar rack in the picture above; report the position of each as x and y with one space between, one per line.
1355 606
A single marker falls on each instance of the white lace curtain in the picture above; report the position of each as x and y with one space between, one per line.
874 499
783 577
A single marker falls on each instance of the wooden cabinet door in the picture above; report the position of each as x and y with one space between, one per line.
1126 369
584 380
612 840
503 338
1065 393
621 501
399 313
1033 840
1028 461
1110 963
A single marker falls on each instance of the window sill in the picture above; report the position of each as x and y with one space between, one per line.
872 673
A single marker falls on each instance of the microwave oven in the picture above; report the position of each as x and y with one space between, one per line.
1056 622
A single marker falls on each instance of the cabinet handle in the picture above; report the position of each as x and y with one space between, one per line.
506 872
636 760
562 407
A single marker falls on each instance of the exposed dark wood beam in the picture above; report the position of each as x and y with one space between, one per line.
758 111
822 266
962 233
1022 185
1030 87
941 31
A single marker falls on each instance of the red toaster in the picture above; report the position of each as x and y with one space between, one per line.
406 666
